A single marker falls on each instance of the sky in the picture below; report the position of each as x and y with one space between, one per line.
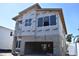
70 11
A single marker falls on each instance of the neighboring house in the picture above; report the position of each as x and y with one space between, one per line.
40 31
78 49
78 46
73 47
6 38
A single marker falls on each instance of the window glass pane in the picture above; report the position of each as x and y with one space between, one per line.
53 20
28 22
40 22
19 42
46 21
20 21
16 44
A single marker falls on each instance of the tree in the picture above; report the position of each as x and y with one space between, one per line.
69 37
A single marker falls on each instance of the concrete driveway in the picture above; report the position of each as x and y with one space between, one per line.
6 54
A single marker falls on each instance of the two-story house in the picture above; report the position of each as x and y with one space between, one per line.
40 31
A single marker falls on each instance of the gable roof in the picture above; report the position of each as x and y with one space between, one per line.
59 10
35 5
25 10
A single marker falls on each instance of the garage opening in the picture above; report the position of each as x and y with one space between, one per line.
38 48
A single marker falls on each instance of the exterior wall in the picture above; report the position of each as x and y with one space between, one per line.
6 40
28 30
14 45
62 35
56 39
52 30
24 29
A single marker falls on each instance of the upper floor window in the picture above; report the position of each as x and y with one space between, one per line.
40 22
28 22
53 20
20 21
47 20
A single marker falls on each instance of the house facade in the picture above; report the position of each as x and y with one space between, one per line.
40 31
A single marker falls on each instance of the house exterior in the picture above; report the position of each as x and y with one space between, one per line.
6 39
73 46
40 31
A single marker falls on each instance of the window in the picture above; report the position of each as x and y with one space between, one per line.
10 33
53 20
20 21
46 21
28 22
18 44
40 22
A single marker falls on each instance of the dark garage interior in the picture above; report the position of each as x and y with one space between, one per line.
38 48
